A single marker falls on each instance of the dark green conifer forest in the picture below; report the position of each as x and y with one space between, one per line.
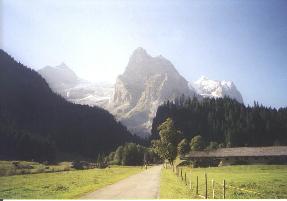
225 121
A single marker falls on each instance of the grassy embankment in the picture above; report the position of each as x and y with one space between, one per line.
172 187
268 180
61 185
8 168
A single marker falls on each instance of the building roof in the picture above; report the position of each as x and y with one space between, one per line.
239 152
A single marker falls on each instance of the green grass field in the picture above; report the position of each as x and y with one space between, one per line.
61 185
268 181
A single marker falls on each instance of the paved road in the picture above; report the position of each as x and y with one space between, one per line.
144 185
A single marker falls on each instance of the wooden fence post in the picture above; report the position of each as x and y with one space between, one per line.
185 178
205 175
213 193
190 180
172 168
196 185
181 174
223 188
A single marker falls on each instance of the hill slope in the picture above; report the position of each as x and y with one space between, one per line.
35 123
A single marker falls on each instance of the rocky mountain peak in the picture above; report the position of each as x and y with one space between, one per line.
141 66
146 83
59 77
140 51
61 71
63 65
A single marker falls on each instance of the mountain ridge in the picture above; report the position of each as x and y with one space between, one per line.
147 82
216 88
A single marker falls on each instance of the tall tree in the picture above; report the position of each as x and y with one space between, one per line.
166 146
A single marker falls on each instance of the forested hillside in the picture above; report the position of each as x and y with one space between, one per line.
225 121
35 123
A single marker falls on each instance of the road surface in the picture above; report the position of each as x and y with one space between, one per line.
144 185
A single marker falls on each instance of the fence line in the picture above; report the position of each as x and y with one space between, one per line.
214 188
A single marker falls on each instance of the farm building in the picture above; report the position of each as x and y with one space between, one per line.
239 155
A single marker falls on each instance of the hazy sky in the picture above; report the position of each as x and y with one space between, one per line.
244 40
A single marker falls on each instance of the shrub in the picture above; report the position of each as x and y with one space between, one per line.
79 165
183 147
196 143
212 146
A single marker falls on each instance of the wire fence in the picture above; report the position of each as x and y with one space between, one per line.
209 188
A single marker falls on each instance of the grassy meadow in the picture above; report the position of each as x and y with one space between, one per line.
261 181
61 185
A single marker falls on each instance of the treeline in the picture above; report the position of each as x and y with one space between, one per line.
37 124
132 154
224 121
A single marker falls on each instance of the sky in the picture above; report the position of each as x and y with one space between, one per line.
240 40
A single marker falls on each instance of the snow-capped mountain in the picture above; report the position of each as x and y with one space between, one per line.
90 93
146 83
65 82
216 88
